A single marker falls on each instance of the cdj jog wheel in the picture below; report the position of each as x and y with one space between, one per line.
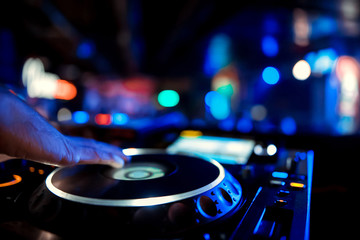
161 193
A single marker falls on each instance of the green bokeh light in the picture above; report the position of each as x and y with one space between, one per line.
168 98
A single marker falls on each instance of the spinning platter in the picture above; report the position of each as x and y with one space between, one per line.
159 192
150 179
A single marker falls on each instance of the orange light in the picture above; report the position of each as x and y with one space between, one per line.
16 180
41 172
103 119
191 133
31 169
65 90
297 185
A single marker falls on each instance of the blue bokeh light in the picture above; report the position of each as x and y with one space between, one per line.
271 75
80 117
85 49
209 97
120 118
288 126
322 61
218 104
218 54
227 124
244 125
269 46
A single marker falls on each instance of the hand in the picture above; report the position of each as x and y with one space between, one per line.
25 134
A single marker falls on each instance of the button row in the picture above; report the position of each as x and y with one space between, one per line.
293 185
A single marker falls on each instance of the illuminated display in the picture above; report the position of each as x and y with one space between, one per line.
224 150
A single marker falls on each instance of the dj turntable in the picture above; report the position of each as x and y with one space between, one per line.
163 194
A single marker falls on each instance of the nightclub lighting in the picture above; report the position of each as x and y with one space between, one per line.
271 75
258 149
302 29
325 61
85 49
227 124
288 126
63 115
223 85
271 150
271 25
226 82
120 118
301 70
103 119
65 90
323 26
347 65
168 98
348 73
244 125
321 62
80 117
258 112
41 84
269 46
218 104
209 97
218 54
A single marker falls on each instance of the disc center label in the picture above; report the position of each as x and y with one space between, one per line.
136 173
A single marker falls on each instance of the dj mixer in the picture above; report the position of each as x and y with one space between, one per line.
199 187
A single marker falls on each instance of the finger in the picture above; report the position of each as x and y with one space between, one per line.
85 142
90 155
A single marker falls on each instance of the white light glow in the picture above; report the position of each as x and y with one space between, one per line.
271 150
64 114
301 70
258 112
41 84
258 150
